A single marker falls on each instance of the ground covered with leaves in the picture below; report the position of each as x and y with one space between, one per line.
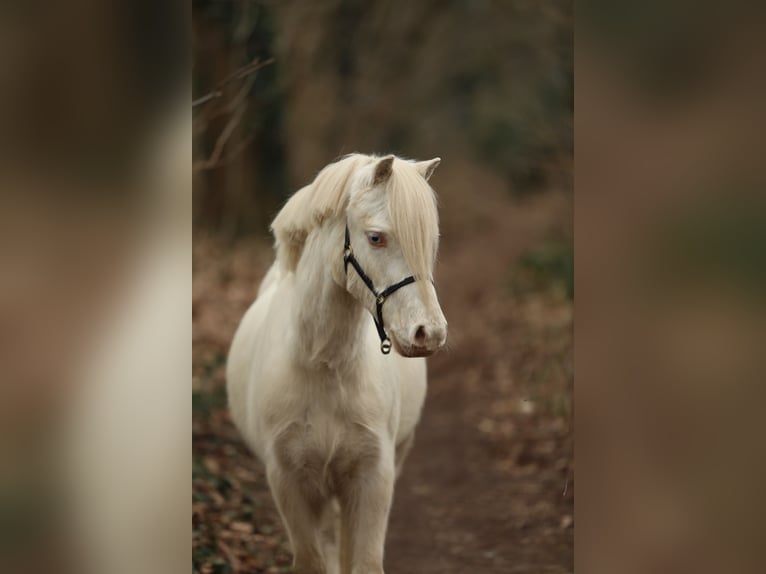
488 486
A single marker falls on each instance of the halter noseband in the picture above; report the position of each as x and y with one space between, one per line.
380 296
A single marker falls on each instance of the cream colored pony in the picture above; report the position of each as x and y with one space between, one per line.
311 387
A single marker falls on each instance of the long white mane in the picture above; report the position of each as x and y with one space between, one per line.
411 205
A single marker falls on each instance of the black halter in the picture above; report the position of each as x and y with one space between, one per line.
380 296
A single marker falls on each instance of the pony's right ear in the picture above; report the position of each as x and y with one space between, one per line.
383 170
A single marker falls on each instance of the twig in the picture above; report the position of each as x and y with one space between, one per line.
220 143
236 107
238 74
206 164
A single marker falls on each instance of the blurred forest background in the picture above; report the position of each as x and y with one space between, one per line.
491 82
283 88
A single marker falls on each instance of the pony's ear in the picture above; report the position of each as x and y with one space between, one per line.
383 170
426 168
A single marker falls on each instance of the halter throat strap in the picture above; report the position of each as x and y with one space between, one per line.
380 296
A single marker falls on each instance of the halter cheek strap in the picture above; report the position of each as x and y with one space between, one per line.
380 296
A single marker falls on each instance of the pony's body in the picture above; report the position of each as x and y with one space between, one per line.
391 385
329 415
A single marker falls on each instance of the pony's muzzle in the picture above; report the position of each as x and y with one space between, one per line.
426 339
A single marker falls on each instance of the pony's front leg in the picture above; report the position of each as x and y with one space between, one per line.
365 504
301 511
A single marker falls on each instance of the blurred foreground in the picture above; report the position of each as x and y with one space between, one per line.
95 257
94 308
671 255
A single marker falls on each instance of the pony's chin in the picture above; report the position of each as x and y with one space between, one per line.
411 351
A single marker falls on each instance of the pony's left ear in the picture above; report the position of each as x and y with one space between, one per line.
426 168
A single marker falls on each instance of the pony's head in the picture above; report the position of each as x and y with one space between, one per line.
393 225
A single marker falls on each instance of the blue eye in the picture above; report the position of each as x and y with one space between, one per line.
376 239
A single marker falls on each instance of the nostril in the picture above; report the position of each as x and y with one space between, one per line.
420 336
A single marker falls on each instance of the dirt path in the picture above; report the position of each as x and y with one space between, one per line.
484 487
488 486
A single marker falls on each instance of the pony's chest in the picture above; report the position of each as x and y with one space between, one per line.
329 432
323 447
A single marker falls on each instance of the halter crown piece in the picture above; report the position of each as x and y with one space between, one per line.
380 296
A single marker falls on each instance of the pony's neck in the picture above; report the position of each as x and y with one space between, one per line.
329 322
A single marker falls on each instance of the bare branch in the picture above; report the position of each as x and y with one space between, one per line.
227 159
238 74
235 108
238 106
